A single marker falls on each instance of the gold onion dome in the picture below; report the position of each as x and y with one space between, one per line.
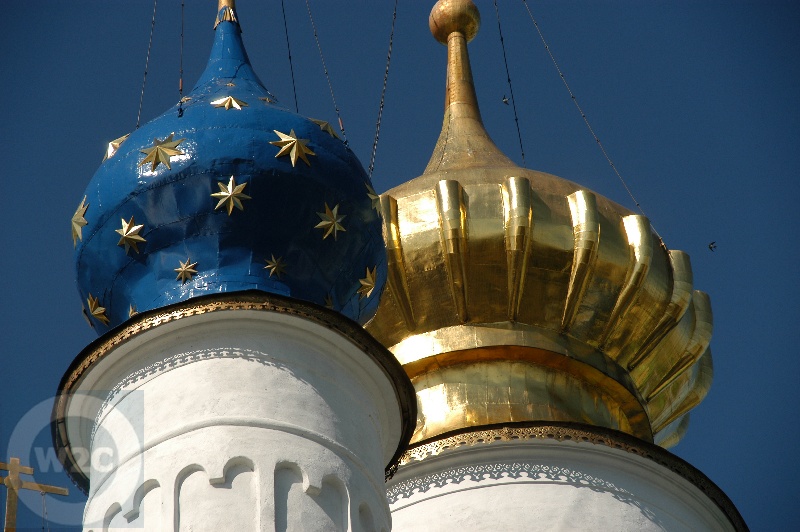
516 296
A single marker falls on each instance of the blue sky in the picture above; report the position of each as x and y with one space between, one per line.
696 102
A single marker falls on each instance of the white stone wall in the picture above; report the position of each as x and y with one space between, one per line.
547 485
237 420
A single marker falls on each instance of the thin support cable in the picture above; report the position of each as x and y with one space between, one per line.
327 76
146 64
508 79
383 94
289 50
180 73
586 120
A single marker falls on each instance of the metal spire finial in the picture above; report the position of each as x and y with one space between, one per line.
463 141
226 12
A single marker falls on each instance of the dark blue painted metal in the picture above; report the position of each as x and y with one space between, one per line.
180 222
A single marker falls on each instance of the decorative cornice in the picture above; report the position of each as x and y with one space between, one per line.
577 433
522 431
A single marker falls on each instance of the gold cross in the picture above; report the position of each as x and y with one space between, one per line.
14 484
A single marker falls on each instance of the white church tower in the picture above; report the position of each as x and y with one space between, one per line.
222 394
536 348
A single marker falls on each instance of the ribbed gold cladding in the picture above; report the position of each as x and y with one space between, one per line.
460 258
586 232
697 345
640 240
678 303
683 394
515 295
453 225
518 220
395 262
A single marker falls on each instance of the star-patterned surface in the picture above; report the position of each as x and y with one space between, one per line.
161 151
226 158
113 146
79 221
229 102
326 127
129 235
96 311
367 284
292 146
374 197
276 266
331 221
186 270
230 195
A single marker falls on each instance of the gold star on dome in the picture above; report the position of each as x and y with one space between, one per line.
268 99
96 311
113 146
161 151
376 199
78 221
230 195
186 270
231 84
129 235
132 311
329 301
326 127
330 221
185 99
367 284
229 102
276 266
292 146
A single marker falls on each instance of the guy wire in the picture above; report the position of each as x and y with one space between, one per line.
586 120
383 94
146 64
508 79
327 76
289 50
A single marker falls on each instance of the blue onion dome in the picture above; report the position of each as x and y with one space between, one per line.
227 192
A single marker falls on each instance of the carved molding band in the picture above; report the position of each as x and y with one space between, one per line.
514 470
578 433
510 433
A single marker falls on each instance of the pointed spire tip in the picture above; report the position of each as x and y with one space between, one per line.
449 16
463 141
226 12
